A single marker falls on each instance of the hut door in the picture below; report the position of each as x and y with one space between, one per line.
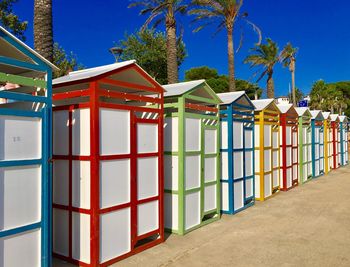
147 170
209 156
321 141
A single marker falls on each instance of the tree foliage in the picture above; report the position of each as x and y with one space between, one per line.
149 49
11 21
329 97
299 95
265 56
220 83
65 62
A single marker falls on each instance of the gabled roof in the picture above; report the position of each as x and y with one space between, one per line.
177 89
231 97
189 88
316 115
302 111
334 117
326 115
284 108
262 104
80 75
343 118
27 48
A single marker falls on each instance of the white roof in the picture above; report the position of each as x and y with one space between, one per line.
177 89
334 117
343 118
302 110
284 108
326 115
28 48
262 103
229 98
316 113
92 72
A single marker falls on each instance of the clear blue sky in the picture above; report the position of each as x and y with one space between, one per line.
320 29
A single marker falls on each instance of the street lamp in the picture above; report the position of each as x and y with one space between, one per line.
116 52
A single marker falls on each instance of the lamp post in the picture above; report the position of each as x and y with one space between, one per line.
116 52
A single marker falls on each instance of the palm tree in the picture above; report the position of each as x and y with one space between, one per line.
288 60
43 36
161 11
266 56
226 13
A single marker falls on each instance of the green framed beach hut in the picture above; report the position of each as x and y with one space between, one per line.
191 156
305 144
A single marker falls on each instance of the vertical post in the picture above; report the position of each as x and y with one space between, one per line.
284 150
301 144
181 159
325 148
218 161
231 163
313 147
161 167
262 155
94 168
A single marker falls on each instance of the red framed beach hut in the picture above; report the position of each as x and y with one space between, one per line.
289 146
335 126
108 164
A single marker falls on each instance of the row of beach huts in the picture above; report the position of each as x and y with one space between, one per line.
96 165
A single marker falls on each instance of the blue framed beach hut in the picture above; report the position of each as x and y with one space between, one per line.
25 151
317 145
344 145
237 152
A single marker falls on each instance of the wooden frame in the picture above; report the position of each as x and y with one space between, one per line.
24 72
344 124
144 106
289 146
335 126
305 145
267 181
237 187
191 109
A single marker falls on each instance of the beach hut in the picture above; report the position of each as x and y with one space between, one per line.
289 146
237 152
267 148
328 147
317 137
335 138
25 120
344 155
108 164
192 156
305 144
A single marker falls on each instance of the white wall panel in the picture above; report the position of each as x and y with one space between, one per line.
224 137
147 177
81 184
171 211
267 135
248 138
267 160
192 212
249 187
256 135
114 182
21 250
192 171
209 141
114 131
60 133
210 169
275 142
209 197
237 134
289 135
224 165
81 237
60 178
20 138
267 185
275 159
257 160
60 231
249 163
237 165
115 234
238 195
192 134
171 134
81 132
171 172
20 196
225 196
147 217
147 138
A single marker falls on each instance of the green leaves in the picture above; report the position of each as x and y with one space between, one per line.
148 48
65 62
11 21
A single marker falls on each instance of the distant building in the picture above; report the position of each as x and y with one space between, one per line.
282 100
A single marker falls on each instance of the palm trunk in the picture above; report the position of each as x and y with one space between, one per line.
172 67
270 86
231 60
43 35
293 82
